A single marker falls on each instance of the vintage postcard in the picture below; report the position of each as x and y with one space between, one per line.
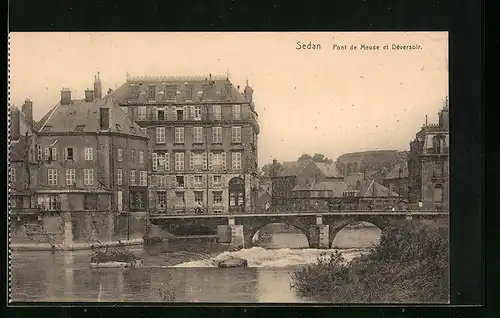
229 167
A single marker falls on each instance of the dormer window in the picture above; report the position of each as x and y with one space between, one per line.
171 92
47 128
80 128
151 92
132 129
188 92
118 127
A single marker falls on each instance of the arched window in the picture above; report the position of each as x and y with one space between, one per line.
438 193
236 194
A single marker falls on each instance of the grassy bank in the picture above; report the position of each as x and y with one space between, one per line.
410 265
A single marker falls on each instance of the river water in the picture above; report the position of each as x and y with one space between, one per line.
179 276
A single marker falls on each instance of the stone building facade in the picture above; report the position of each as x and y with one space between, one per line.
203 143
428 163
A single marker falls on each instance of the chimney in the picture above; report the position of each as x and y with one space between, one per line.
28 112
274 168
97 86
15 123
65 96
89 95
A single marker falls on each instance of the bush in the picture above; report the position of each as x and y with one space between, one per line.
114 255
410 265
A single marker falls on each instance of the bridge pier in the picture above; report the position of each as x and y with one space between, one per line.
232 234
319 234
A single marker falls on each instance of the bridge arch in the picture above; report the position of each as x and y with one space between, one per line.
335 227
252 225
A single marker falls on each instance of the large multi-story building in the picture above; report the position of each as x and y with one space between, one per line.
203 141
428 163
23 166
91 157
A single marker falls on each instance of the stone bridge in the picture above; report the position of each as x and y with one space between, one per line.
319 229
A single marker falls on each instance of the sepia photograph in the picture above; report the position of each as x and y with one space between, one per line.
232 167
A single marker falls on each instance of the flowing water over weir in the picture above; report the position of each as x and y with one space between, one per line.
176 275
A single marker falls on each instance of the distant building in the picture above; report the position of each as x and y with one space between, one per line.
91 157
23 166
203 141
397 180
298 175
428 163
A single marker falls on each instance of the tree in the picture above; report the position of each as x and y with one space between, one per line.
318 157
267 170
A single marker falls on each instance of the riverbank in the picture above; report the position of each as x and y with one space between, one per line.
27 247
410 265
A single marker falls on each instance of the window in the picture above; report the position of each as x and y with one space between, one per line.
217 161
198 197
119 200
180 198
198 135
217 197
12 174
143 178
236 112
171 92
119 176
132 177
161 114
217 181
197 113
39 153
236 134
236 162
54 153
52 176
69 153
438 193
104 118
141 113
141 156
180 113
167 161
70 177
179 135
132 130
118 127
179 180
161 181
188 92
161 200
217 135
216 109
179 161
160 135
151 92
89 154
88 177
46 156
49 202
90 201
13 202
80 128
132 156
197 161
198 181
119 154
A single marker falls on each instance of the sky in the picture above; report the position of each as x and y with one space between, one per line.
309 101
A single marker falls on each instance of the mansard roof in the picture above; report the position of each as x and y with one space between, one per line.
86 116
204 88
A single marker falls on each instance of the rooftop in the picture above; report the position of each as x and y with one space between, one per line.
186 88
83 116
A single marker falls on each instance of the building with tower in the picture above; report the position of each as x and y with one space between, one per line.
428 163
203 141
